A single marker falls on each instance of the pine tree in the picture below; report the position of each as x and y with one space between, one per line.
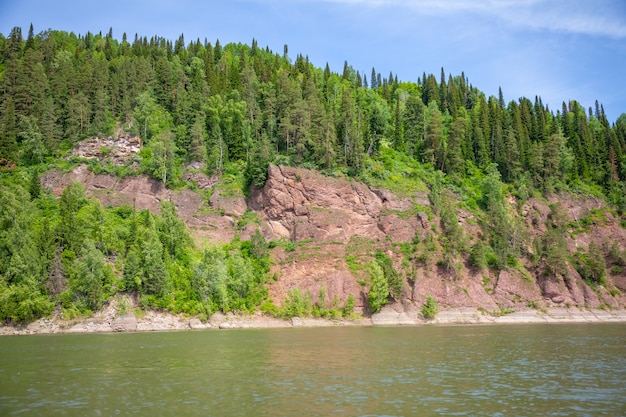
554 246
512 163
398 134
173 234
197 151
414 119
454 163
378 123
497 222
9 131
346 129
30 40
34 188
70 229
433 138
88 284
379 289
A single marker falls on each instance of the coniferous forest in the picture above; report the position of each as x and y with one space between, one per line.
238 108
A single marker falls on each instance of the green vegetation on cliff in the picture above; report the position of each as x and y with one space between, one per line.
243 106
74 253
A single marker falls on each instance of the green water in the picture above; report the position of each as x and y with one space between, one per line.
535 370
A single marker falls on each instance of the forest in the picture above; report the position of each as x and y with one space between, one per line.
239 108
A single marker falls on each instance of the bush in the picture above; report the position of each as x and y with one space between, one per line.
394 280
297 304
23 303
430 308
591 265
348 309
269 308
477 256
290 246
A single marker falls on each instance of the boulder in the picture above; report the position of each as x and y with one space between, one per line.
217 319
196 324
232 205
125 323
390 316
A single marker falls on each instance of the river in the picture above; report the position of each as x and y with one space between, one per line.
491 370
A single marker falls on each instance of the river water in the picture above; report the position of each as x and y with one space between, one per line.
492 370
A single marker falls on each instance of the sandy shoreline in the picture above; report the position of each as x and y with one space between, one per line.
389 316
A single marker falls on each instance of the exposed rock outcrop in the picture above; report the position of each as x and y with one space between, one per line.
118 149
232 204
329 220
147 193
394 315
300 204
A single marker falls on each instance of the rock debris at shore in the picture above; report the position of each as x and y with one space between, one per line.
388 316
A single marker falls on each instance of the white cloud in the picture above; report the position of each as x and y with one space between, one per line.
590 18
599 18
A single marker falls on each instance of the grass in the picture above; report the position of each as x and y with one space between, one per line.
249 217
594 217
355 266
359 251
360 246
232 183
487 285
403 214
502 311
523 272
396 172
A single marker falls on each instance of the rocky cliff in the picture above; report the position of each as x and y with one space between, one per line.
336 225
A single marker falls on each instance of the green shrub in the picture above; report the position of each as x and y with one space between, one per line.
430 308
23 303
379 290
348 308
269 308
394 280
591 265
477 256
290 246
297 304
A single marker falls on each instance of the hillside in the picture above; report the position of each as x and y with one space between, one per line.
200 179
330 229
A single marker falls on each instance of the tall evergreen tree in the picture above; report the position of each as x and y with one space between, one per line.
434 138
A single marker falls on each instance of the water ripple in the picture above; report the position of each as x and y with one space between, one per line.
433 371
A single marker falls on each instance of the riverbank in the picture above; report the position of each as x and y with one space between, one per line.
390 316
154 321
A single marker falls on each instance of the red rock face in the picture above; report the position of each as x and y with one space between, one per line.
332 219
302 204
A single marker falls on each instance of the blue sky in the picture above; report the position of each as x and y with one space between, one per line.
556 49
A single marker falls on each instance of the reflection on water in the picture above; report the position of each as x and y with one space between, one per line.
548 370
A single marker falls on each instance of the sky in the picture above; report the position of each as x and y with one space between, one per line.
559 50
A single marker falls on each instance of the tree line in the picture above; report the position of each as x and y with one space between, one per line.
211 103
